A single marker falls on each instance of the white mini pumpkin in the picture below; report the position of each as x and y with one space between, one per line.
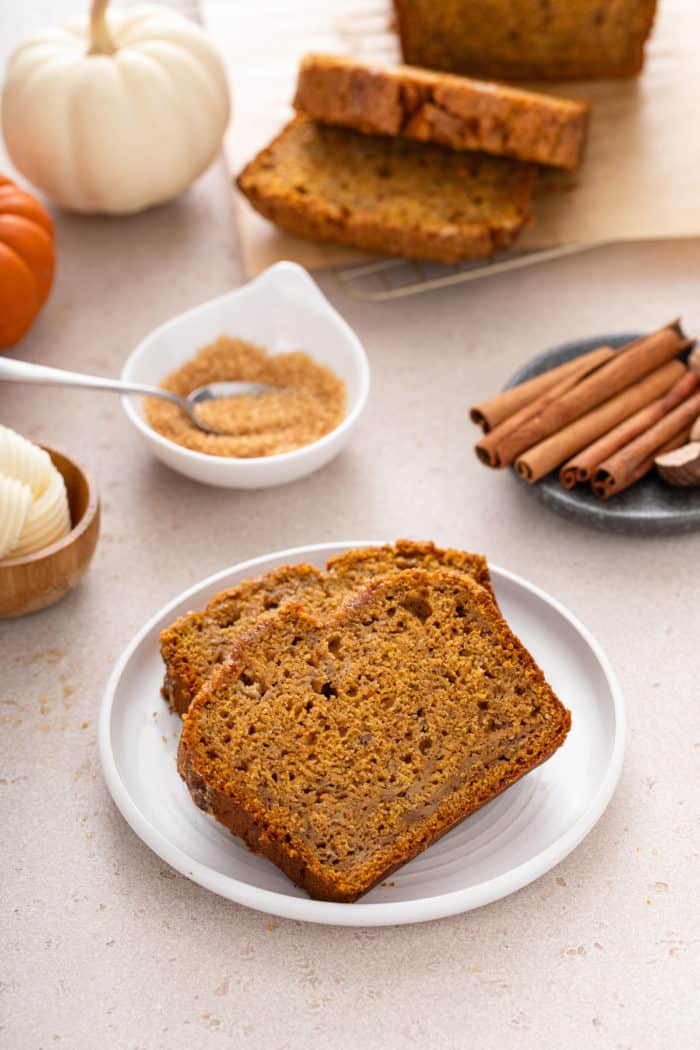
114 116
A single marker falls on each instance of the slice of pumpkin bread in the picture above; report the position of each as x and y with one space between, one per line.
458 112
339 749
388 195
197 643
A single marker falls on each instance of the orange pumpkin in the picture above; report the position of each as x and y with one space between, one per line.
26 260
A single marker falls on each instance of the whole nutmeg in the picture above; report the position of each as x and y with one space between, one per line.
681 466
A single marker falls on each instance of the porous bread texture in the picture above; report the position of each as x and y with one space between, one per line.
388 195
454 111
340 749
526 39
197 643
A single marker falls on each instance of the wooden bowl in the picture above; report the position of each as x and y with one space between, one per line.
35 581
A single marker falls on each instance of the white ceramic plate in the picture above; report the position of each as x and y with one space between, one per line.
505 845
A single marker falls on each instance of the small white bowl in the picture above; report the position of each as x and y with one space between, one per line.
281 310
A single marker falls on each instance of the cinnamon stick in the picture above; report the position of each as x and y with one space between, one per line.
583 465
620 471
633 362
554 450
488 414
645 465
488 448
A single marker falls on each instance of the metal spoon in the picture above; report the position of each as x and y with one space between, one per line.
23 372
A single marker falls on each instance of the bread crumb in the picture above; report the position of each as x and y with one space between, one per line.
84 725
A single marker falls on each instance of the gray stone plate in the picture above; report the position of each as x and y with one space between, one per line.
649 507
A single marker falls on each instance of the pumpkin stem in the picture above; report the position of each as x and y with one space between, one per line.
101 40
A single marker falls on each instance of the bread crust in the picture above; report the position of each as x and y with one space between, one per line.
458 112
372 217
235 804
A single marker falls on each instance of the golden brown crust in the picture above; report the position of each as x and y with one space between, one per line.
294 737
521 40
453 111
388 195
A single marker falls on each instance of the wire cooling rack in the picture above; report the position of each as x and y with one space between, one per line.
385 279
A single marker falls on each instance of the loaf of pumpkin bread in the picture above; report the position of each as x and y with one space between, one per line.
341 748
196 644
386 194
526 39
454 111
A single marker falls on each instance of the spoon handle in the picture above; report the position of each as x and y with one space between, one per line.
23 372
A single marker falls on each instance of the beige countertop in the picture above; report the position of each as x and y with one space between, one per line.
104 945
